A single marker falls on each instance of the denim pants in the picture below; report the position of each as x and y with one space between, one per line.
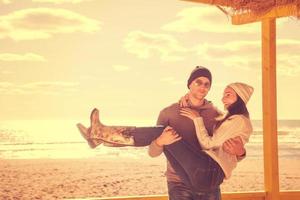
179 191
143 136
197 170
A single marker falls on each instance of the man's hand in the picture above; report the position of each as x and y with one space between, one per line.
167 137
234 146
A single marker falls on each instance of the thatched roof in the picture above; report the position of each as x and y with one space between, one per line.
257 7
260 7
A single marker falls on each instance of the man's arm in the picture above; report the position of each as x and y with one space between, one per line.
167 137
154 149
235 146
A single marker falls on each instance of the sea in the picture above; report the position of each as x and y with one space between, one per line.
60 139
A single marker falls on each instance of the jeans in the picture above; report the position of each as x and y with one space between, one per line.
179 191
197 170
143 136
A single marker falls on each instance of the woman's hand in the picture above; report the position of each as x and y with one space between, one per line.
190 113
184 101
167 137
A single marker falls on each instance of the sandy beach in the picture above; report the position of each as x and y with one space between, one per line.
95 177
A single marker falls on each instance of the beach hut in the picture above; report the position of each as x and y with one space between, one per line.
266 12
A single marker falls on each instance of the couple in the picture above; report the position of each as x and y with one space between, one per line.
201 151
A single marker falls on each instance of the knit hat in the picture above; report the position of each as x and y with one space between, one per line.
243 90
198 72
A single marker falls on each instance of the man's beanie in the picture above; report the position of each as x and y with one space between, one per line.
198 72
243 90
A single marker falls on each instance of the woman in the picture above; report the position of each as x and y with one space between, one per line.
202 171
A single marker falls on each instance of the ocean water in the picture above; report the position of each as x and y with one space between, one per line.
42 139
55 139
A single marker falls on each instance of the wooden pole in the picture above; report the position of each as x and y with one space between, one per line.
271 172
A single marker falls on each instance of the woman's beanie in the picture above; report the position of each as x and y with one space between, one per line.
243 90
198 72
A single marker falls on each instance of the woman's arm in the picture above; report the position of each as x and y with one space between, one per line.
235 128
206 141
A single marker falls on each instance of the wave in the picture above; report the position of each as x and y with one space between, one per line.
279 132
40 143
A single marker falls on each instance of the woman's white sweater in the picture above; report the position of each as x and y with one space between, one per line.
235 125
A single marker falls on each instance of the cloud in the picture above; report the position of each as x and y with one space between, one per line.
5 84
206 19
120 68
238 54
171 80
60 1
6 72
7 88
45 84
288 57
246 55
18 57
145 45
41 88
42 23
167 79
5 1
48 1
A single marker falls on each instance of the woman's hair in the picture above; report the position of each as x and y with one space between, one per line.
237 108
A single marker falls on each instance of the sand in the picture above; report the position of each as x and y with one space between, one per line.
98 177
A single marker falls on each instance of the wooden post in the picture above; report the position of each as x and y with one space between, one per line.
271 172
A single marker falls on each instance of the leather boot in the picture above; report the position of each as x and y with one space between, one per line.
114 135
93 143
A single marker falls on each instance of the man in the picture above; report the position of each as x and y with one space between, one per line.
199 84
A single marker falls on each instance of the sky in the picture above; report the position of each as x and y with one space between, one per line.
61 58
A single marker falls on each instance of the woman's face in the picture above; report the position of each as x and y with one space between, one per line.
229 97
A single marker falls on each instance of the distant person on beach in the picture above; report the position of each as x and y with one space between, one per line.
179 182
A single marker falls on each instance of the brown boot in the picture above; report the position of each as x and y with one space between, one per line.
93 143
115 135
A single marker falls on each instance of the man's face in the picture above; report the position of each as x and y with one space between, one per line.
199 87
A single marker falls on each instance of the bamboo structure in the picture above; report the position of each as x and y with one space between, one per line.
266 12
269 109
284 195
